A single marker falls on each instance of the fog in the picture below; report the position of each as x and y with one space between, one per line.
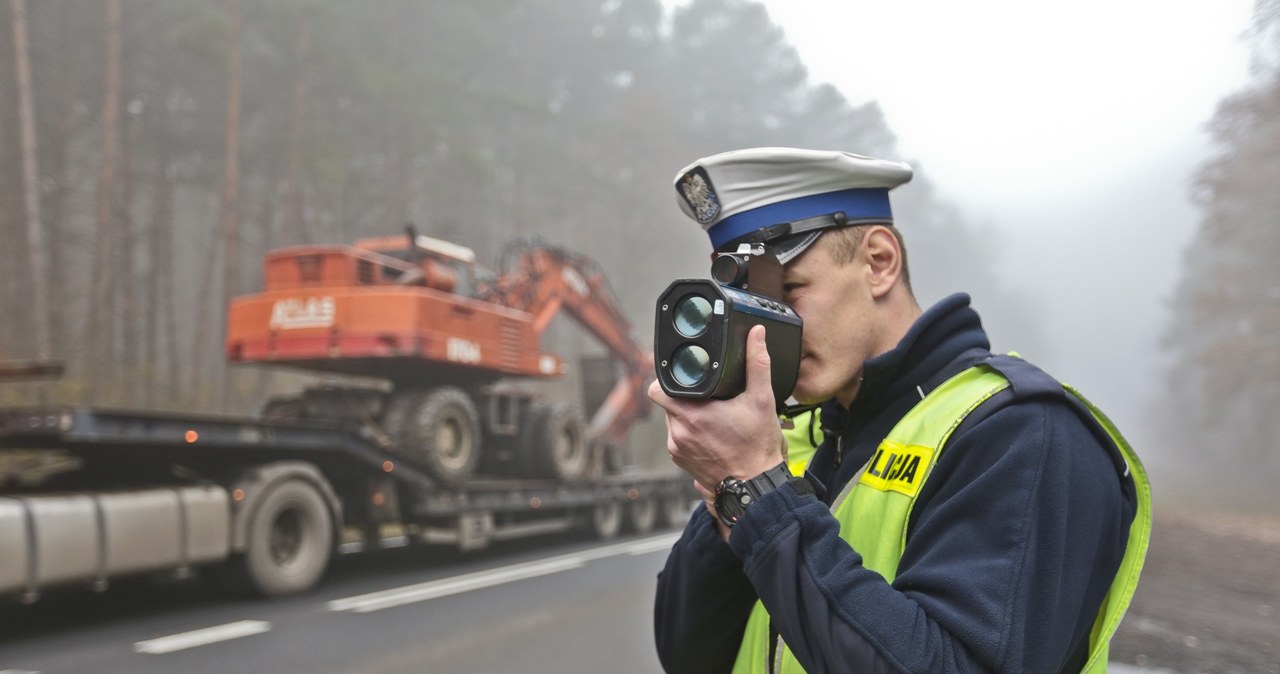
1074 134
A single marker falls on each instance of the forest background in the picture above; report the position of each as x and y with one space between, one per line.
153 150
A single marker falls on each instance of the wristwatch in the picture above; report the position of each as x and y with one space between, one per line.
734 496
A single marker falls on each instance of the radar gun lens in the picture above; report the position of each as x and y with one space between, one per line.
692 315
690 365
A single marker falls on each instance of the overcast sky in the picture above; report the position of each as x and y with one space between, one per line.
1072 128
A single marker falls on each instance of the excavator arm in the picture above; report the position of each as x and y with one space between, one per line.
544 280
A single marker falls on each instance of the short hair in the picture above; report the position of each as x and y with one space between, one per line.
845 241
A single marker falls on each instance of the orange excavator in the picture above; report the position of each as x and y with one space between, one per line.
447 344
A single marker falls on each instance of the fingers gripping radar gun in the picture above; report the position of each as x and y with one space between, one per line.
701 325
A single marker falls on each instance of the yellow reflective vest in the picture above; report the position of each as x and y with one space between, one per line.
803 439
886 489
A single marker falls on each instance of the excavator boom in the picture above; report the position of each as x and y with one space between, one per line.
543 280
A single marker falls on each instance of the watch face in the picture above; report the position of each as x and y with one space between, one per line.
732 500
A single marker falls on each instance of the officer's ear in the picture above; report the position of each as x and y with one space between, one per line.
883 256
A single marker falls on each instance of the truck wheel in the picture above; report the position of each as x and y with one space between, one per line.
606 519
442 434
642 514
290 540
556 446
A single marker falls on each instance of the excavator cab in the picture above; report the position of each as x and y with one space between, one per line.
439 264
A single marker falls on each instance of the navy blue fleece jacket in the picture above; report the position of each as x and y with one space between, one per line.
1011 546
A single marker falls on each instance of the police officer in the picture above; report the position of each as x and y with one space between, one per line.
965 511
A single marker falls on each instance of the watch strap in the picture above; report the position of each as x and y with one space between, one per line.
769 480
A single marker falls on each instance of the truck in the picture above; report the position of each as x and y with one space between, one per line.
443 441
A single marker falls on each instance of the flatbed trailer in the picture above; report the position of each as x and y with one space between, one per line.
271 501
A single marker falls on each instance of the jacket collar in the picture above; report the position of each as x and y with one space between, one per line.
942 335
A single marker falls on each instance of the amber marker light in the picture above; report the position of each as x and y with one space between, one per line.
237 495
633 494
535 503
388 466
191 437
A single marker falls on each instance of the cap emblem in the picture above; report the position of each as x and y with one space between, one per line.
696 188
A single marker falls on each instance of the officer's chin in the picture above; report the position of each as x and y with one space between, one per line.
805 396
804 392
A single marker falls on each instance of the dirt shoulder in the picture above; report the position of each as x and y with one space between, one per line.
1209 597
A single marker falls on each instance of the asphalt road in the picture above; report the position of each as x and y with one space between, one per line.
561 605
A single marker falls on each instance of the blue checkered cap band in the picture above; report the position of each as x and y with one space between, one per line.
733 194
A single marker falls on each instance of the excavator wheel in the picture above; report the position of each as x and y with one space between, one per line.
555 444
616 457
438 430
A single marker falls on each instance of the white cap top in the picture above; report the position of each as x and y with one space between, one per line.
763 194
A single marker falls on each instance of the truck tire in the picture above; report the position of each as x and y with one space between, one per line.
555 446
290 540
441 433
606 519
642 514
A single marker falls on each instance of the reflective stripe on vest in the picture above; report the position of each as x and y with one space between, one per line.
800 448
886 488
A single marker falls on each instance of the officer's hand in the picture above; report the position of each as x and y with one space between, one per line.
739 437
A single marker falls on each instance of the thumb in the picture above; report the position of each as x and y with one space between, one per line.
759 375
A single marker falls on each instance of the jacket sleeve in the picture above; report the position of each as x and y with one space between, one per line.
703 601
1003 570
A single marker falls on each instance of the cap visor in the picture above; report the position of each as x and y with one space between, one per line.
791 247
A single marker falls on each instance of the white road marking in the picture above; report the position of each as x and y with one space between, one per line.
653 544
202 637
640 547
399 596
376 601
